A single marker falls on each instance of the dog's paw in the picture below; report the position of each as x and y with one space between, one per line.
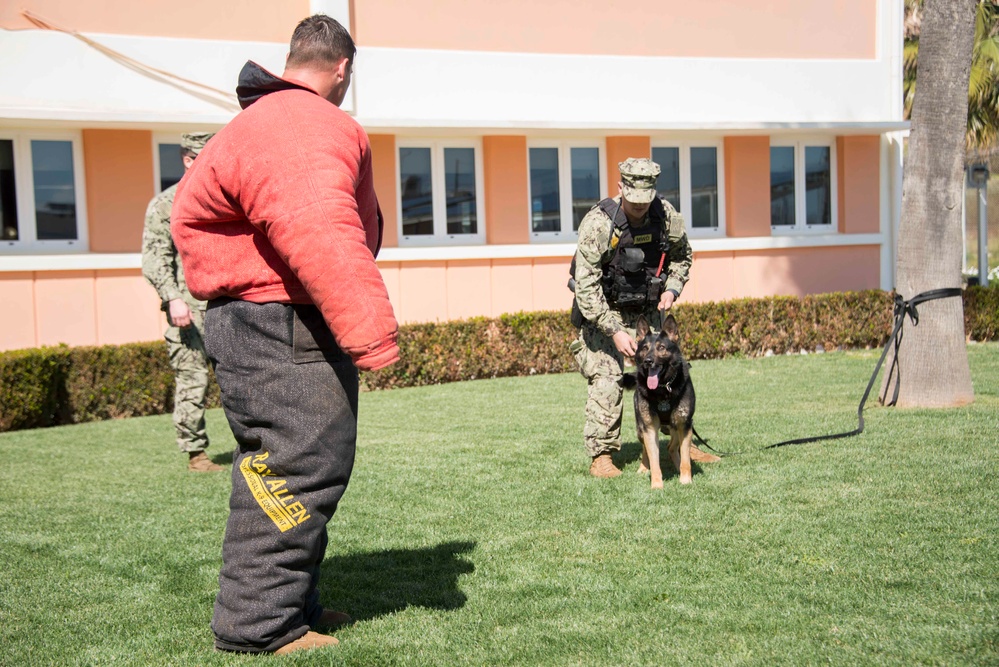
643 469
657 484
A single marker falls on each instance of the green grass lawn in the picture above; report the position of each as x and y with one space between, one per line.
472 535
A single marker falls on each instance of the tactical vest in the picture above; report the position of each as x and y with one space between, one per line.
631 278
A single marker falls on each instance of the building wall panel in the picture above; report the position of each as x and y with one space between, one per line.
619 149
468 289
859 195
800 271
108 307
504 163
127 308
712 278
65 308
18 299
422 293
119 174
747 186
249 20
721 28
549 276
511 286
391 274
383 163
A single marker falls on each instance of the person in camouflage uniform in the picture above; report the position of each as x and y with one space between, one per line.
607 332
185 318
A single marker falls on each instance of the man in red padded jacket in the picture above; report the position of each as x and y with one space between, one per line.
277 226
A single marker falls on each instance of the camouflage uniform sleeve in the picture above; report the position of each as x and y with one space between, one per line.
158 252
681 256
594 237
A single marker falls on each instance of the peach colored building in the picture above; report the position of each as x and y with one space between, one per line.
494 126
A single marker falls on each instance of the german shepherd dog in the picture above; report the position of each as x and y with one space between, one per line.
664 399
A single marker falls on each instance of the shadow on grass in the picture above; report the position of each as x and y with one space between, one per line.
223 459
368 585
632 451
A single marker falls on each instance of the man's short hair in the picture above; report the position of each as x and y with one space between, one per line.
320 39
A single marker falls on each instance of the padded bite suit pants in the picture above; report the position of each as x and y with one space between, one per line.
290 396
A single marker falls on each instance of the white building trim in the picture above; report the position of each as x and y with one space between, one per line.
106 261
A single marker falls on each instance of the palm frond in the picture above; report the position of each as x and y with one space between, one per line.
983 84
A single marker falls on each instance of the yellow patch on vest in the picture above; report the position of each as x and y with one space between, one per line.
643 238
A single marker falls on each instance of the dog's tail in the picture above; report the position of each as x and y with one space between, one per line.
629 380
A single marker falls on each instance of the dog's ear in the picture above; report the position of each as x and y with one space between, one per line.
641 328
670 328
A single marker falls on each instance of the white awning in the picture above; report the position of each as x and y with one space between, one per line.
52 76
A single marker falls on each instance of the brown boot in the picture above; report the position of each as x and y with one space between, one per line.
333 619
307 642
199 462
603 466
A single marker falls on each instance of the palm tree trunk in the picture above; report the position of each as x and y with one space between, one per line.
933 358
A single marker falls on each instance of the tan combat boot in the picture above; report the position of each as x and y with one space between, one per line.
201 463
307 642
603 466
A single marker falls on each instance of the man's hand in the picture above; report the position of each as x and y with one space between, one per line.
666 300
625 344
179 313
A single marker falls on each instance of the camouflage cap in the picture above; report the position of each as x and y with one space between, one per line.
638 178
195 141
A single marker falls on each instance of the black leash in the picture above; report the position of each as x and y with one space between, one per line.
902 308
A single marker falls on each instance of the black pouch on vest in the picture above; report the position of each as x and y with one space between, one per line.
575 315
629 288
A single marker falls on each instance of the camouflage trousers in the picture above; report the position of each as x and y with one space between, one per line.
190 364
602 366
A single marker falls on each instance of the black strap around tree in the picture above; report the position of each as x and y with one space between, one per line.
902 308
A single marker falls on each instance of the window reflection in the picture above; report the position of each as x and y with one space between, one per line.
55 190
417 191
668 183
545 216
8 193
459 177
782 186
171 165
585 182
818 186
704 187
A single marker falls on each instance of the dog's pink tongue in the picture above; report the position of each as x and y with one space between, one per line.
652 382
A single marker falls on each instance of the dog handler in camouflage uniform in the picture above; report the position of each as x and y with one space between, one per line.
185 318
633 259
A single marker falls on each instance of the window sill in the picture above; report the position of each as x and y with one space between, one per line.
77 262
439 253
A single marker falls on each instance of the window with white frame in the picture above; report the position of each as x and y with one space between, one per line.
566 180
169 165
691 179
802 188
41 192
440 193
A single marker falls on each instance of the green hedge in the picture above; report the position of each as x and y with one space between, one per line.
63 385
49 386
